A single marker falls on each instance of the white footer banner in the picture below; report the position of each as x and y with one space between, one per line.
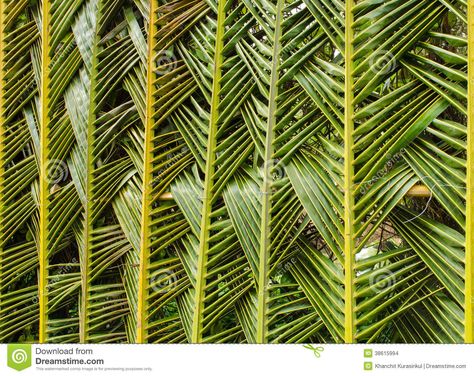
219 360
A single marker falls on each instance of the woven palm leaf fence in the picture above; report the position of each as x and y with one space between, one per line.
220 171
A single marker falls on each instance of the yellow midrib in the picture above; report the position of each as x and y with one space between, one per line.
142 321
469 259
265 241
2 132
85 273
348 180
44 186
196 333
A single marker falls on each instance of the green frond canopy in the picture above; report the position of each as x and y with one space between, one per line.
223 171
